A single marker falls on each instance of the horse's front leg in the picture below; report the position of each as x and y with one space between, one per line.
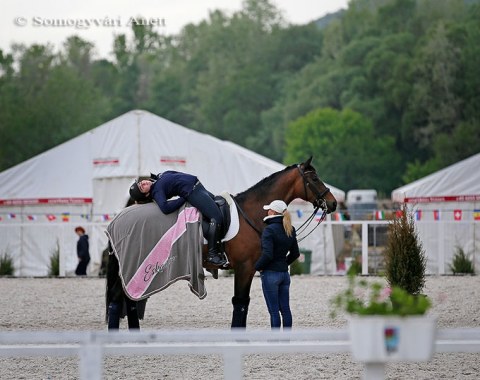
244 273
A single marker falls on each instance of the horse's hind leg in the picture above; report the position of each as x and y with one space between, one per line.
132 314
113 294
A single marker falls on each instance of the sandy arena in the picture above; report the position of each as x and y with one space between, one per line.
37 304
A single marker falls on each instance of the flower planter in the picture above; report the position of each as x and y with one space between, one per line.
379 339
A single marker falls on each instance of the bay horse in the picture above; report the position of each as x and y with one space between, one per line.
244 249
295 181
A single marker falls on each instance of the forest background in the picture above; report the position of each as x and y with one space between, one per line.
382 93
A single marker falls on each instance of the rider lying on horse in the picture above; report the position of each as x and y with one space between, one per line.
188 188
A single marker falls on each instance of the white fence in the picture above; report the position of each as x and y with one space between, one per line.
92 346
31 245
440 240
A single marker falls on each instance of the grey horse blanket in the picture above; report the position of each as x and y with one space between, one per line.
155 250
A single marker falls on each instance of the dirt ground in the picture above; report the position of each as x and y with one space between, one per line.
77 304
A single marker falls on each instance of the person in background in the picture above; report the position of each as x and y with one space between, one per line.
83 253
279 250
162 187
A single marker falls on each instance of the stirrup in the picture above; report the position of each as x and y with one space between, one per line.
217 259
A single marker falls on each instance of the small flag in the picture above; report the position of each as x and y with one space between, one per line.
105 217
318 216
457 215
51 217
338 216
418 215
379 215
65 216
436 214
12 216
399 213
31 217
299 213
85 216
476 214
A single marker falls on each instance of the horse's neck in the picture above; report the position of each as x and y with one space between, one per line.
281 189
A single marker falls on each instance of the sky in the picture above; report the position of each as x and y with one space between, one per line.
98 21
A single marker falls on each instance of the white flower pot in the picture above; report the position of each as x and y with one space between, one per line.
379 339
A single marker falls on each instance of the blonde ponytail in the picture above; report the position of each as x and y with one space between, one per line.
287 223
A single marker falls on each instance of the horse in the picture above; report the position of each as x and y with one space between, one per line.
295 181
244 249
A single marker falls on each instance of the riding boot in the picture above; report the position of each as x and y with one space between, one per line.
214 256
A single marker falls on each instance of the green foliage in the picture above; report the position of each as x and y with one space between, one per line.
355 268
407 68
338 139
405 260
6 265
461 263
372 298
54 267
296 268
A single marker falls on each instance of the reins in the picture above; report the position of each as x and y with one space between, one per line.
304 226
318 203
245 216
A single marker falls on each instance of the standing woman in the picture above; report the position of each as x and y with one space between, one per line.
83 252
279 250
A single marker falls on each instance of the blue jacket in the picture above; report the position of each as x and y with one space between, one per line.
83 248
170 184
276 246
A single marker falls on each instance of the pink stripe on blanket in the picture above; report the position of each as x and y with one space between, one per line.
159 255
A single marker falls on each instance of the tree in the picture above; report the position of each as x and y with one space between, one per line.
348 152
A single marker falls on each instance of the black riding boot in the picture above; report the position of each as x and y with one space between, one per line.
214 256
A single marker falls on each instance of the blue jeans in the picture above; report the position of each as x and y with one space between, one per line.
276 290
204 201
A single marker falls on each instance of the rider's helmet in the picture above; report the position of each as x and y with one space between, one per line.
136 194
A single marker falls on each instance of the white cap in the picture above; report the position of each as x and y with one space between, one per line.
277 205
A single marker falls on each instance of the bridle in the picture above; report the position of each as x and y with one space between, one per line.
319 202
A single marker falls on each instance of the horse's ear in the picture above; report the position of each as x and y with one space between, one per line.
307 163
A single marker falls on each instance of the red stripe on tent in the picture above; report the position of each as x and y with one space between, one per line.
41 201
106 161
173 160
458 198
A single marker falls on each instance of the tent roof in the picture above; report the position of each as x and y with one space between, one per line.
129 146
457 182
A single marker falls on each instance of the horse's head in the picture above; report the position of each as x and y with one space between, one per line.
314 189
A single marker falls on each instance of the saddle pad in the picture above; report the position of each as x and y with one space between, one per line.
155 250
234 222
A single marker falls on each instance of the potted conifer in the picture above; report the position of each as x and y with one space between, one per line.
389 323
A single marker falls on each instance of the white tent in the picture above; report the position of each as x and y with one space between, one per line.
85 182
447 209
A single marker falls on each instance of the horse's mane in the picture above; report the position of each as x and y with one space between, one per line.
262 186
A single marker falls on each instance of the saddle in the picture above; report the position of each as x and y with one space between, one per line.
225 210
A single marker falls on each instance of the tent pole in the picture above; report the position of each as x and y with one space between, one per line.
139 145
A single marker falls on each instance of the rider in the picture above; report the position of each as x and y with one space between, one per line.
189 189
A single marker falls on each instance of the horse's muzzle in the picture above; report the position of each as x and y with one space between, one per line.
331 206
